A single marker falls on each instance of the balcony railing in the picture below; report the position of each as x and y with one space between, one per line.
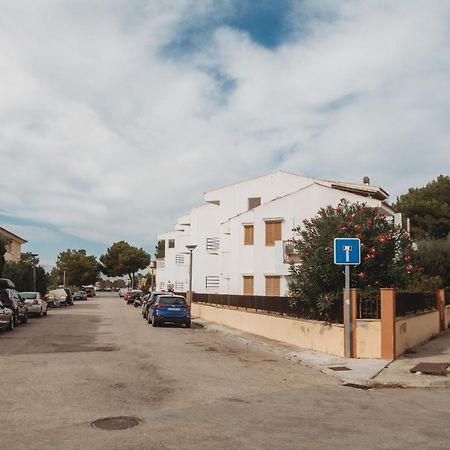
290 253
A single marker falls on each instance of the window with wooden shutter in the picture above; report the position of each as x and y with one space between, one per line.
272 285
248 284
248 234
273 232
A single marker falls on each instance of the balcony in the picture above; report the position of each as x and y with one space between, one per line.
290 253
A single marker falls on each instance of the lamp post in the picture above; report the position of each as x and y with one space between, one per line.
152 275
34 255
191 248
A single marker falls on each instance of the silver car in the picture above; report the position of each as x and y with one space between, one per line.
6 317
36 304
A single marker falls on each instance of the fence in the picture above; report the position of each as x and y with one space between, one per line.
414 302
282 306
369 305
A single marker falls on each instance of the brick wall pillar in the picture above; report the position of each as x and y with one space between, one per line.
354 293
440 306
189 297
388 323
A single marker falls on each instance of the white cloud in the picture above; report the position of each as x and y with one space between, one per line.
106 135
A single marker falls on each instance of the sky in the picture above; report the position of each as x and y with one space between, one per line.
117 115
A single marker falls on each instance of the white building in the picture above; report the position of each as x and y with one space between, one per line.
242 233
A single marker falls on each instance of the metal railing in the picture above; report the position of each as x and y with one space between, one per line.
282 306
414 302
369 304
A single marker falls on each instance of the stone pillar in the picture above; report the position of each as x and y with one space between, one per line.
354 295
388 323
440 306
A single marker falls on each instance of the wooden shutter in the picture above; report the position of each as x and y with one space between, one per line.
273 232
248 285
248 234
272 285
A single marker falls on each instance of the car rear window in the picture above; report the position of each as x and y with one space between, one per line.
171 300
28 295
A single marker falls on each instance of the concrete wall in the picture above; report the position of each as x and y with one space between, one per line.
413 330
308 334
368 338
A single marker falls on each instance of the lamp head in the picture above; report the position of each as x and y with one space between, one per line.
191 247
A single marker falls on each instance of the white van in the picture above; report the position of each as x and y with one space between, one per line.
57 298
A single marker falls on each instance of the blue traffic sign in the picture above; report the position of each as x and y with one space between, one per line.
347 251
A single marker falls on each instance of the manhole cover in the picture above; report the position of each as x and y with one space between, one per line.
116 423
339 368
431 368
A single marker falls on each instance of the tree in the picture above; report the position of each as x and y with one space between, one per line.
160 249
433 259
124 259
428 208
318 283
76 267
21 273
2 256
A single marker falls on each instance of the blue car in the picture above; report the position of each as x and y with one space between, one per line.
170 309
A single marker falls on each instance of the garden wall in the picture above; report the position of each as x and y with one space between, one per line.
308 334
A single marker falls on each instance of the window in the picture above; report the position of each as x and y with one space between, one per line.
248 234
171 243
162 285
179 258
248 284
272 285
212 282
254 202
179 286
273 232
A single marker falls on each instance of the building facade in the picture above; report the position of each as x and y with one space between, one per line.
13 245
244 233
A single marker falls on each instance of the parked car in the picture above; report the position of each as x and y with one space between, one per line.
36 304
170 309
80 295
12 300
57 298
122 292
6 318
150 300
133 295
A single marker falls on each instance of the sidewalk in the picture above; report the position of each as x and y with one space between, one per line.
362 373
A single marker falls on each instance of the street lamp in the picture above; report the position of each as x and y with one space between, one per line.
34 255
191 248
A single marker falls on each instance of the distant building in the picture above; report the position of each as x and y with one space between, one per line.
244 232
13 245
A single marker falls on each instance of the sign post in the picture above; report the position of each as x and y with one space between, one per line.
347 252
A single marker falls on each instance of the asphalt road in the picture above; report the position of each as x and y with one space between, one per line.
190 389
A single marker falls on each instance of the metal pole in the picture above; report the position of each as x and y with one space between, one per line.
34 275
64 278
347 312
190 271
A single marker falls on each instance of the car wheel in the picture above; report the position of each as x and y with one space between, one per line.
16 320
45 312
155 324
25 318
188 324
40 313
11 324
149 318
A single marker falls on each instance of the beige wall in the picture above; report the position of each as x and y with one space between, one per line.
14 251
368 338
308 334
414 330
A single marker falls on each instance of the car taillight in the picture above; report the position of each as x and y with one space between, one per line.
160 305
35 302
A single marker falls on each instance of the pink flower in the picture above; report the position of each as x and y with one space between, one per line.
381 239
361 274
